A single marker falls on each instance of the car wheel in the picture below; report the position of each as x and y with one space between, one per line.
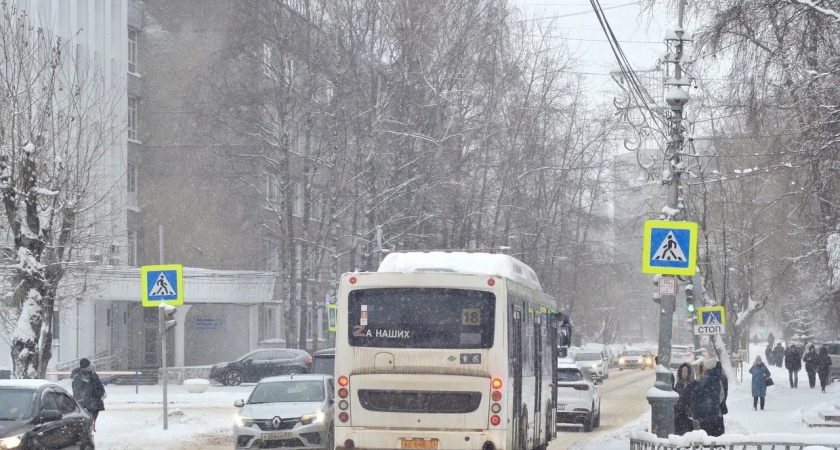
598 417
294 371
587 424
233 378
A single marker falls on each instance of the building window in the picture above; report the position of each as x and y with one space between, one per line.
298 201
131 258
132 51
270 322
132 118
272 189
131 177
272 254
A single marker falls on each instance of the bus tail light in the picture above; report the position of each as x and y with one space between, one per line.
497 383
491 282
496 396
495 407
342 393
352 280
343 381
495 420
343 416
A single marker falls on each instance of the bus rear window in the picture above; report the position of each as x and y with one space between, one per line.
421 318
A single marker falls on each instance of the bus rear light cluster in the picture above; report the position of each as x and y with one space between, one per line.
343 404
496 396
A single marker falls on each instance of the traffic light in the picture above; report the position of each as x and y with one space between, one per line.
689 300
167 317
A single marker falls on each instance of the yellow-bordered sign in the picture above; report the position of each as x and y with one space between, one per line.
669 248
711 315
162 284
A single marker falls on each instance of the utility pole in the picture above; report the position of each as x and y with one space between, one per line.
662 406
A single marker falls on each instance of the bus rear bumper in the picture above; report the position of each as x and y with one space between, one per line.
389 439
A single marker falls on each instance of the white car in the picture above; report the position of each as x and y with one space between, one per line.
594 362
578 400
681 354
287 411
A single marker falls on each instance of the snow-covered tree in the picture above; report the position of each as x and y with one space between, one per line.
57 120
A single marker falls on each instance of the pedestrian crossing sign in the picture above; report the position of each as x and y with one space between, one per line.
669 248
711 315
162 284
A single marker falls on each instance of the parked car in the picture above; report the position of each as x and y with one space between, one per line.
648 360
681 354
578 400
287 411
630 359
323 362
594 362
38 414
254 366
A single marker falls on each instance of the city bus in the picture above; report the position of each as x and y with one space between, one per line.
445 350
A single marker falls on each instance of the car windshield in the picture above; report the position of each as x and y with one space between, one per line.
631 353
16 404
588 357
288 391
569 375
323 364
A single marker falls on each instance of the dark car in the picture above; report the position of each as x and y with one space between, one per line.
38 414
259 364
323 362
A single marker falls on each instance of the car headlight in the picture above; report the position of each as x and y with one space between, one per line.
621 361
11 442
243 421
316 417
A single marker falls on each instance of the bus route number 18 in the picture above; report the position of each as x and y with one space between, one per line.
471 317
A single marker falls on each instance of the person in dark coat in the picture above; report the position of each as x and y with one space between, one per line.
682 410
760 373
768 354
707 397
823 367
88 389
810 359
793 363
778 355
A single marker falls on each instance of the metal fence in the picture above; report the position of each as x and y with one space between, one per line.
641 444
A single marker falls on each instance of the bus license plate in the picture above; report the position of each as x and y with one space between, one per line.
418 443
276 436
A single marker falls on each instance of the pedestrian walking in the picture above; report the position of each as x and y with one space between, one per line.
683 409
793 363
760 373
823 367
707 397
88 389
810 359
778 355
768 354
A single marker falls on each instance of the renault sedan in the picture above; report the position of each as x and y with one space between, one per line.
292 411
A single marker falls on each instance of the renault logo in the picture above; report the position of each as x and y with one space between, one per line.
275 422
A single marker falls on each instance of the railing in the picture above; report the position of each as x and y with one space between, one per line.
108 373
73 363
644 444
